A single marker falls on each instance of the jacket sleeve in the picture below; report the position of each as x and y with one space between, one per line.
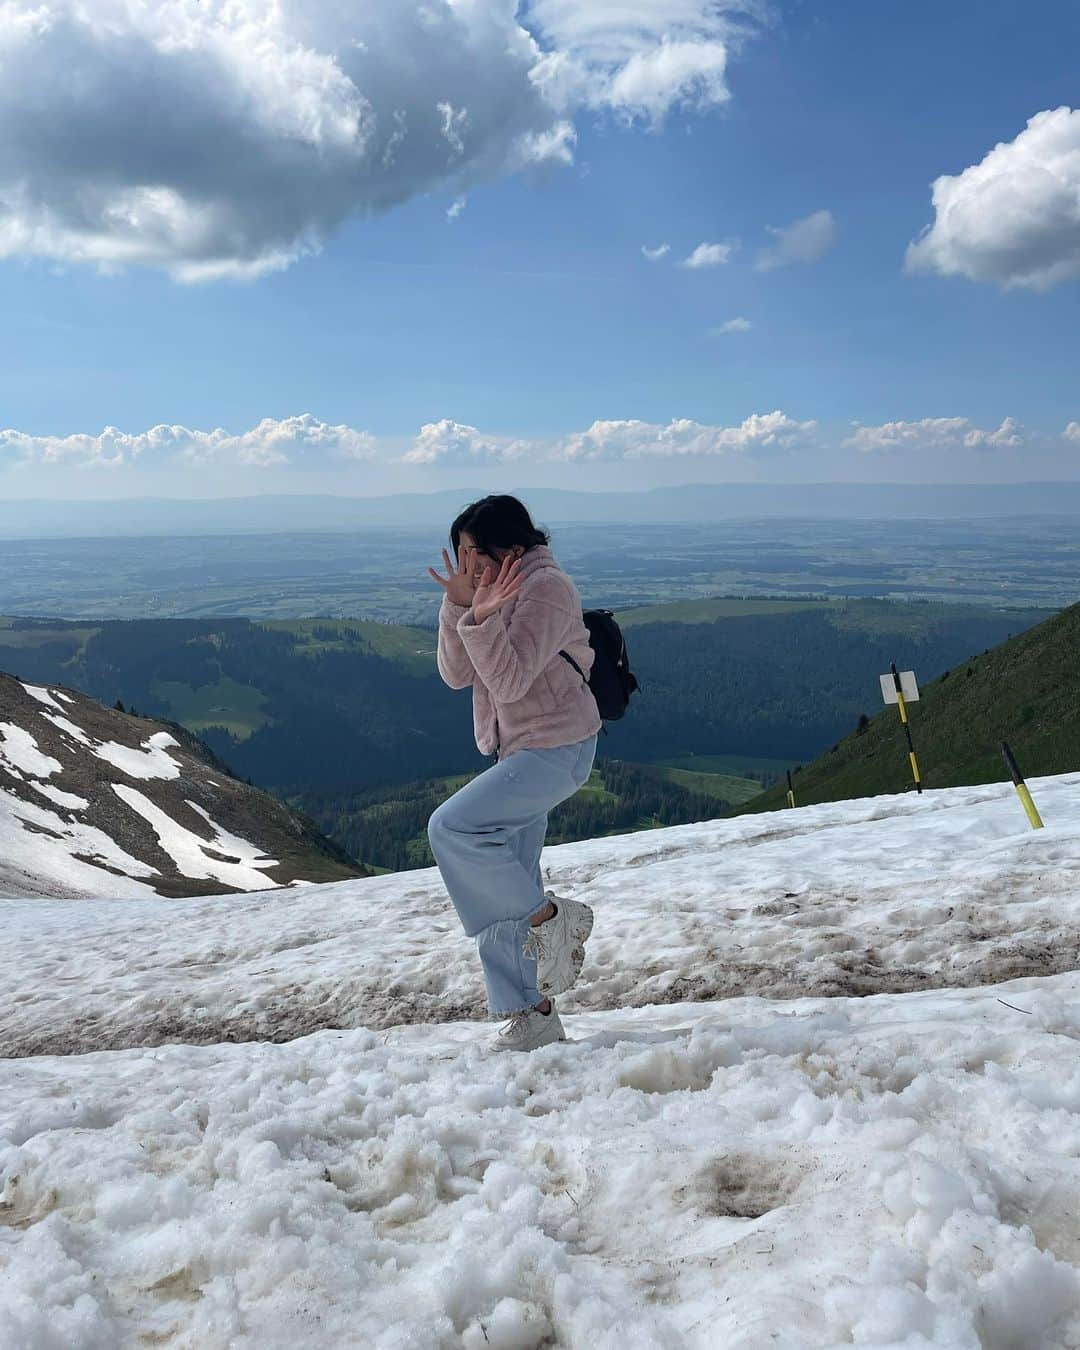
453 660
508 656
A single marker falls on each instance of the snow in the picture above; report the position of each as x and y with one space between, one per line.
42 695
39 849
61 798
149 762
19 750
73 730
239 864
898 1170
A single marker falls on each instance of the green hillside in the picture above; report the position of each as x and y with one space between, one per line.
1025 691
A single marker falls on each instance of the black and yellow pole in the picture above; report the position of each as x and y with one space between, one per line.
1021 787
790 791
907 727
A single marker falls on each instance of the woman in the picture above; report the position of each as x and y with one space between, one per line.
508 609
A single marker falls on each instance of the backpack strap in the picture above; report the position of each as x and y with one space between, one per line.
567 657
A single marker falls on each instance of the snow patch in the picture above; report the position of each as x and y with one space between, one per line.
66 799
37 852
42 695
19 750
239 866
149 762
64 724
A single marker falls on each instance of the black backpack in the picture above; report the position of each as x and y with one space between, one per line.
611 679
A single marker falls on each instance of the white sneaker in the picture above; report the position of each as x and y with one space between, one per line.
530 1030
558 945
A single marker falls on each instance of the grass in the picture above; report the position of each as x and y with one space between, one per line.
229 704
724 787
413 648
1025 691
738 766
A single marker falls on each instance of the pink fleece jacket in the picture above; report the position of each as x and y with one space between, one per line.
525 695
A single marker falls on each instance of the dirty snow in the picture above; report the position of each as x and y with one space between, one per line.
149 762
875 896
238 863
19 750
899 1170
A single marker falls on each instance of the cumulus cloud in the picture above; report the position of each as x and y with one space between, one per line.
736 325
655 254
709 255
804 241
227 138
640 58
1072 433
937 433
1013 218
449 442
761 432
293 440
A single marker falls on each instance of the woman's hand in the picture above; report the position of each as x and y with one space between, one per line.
492 595
457 585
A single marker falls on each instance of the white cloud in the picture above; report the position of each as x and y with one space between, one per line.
736 325
1072 433
709 255
937 433
655 254
804 241
639 58
1013 218
761 432
227 138
455 208
291 440
449 442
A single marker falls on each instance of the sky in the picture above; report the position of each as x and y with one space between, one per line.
288 247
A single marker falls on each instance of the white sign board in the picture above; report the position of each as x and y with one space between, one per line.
908 687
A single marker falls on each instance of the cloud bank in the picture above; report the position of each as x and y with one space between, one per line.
937 433
773 431
1013 218
227 138
293 439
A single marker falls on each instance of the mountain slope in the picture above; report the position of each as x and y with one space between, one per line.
1025 691
93 801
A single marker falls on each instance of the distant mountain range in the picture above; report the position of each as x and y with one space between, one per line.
34 518
94 801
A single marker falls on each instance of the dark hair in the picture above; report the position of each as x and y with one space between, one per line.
497 522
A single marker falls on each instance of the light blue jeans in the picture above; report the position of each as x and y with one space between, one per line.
487 840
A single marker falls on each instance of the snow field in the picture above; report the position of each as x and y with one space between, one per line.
900 1170
883 895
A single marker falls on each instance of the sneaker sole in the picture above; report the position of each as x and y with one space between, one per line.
580 929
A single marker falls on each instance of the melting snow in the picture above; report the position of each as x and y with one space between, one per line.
900 1170
61 798
65 724
18 750
149 762
238 867
42 695
38 848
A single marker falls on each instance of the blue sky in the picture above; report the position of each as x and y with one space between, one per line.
512 329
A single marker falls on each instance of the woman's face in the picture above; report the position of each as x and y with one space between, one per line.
476 560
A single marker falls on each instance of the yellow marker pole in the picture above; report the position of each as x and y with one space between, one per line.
1031 810
907 729
790 791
